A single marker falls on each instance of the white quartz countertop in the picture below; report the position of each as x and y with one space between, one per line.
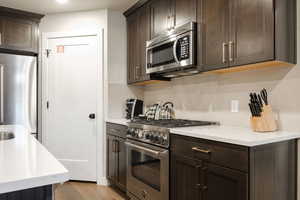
25 163
235 135
120 121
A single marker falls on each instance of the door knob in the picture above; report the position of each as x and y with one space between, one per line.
92 116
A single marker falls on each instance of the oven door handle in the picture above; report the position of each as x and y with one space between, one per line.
146 149
175 51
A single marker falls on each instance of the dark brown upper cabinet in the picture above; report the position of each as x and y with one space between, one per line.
144 30
160 16
234 33
183 11
213 33
19 31
167 14
243 33
251 32
132 48
138 32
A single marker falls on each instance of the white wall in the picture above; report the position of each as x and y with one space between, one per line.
74 21
118 90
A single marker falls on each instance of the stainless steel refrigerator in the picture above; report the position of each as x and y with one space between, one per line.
18 91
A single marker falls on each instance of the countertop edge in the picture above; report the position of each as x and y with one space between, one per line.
237 142
29 183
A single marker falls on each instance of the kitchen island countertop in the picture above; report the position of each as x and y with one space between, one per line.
235 135
25 163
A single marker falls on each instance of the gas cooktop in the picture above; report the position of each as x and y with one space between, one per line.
156 132
172 123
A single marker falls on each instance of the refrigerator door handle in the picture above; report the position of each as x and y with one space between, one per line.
1 94
31 104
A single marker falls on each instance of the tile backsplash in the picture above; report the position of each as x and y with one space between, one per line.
208 97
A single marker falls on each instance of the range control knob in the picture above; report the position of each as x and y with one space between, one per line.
147 136
140 134
130 131
156 139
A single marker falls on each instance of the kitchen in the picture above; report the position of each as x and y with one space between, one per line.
180 71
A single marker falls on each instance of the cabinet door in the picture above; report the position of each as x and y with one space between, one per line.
133 48
111 158
121 164
251 32
19 34
213 33
160 16
144 36
184 11
223 183
185 178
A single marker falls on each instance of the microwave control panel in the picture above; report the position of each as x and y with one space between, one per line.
184 45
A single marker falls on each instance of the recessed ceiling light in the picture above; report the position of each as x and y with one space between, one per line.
62 1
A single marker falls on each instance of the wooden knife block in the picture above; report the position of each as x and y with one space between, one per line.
265 123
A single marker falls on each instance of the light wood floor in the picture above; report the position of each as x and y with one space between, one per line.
85 191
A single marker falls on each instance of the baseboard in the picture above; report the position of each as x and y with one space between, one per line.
103 181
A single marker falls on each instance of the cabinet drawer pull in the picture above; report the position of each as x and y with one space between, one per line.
231 56
201 150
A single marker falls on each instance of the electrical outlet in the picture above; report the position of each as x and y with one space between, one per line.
234 106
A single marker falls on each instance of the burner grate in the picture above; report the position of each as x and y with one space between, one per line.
172 123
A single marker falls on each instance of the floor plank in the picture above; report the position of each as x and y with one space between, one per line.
85 191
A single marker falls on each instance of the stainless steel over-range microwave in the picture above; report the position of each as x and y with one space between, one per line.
173 53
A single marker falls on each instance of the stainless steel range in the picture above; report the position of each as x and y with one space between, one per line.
148 157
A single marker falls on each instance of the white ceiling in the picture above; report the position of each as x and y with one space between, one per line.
51 6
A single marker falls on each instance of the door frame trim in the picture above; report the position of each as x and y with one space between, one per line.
43 72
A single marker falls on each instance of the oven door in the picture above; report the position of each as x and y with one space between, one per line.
178 52
147 171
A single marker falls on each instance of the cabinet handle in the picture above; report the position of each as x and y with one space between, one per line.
117 146
137 70
172 18
201 150
114 146
0 39
204 188
224 53
231 50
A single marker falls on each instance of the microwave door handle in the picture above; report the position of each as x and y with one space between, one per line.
174 51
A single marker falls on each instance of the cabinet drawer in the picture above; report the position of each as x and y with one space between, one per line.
232 156
116 130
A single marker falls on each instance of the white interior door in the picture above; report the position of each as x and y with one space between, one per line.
72 77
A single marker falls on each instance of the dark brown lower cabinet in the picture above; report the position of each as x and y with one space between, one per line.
185 178
121 164
199 170
111 158
116 156
224 183
39 193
